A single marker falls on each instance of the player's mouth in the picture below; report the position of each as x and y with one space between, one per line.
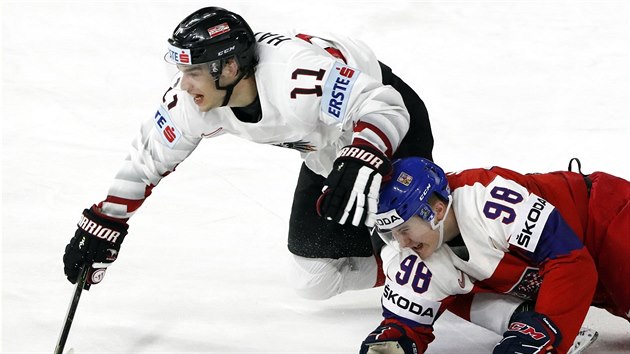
198 99
418 247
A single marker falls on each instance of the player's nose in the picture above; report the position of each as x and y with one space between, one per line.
403 240
185 84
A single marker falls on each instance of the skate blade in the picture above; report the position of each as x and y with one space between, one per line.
585 338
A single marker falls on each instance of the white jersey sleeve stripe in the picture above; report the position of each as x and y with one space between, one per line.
149 160
393 128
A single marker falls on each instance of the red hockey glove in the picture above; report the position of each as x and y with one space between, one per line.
96 242
352 186
391 339
529 333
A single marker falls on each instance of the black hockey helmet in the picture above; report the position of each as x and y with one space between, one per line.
211 35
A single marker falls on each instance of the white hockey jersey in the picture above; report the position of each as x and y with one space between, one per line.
316 96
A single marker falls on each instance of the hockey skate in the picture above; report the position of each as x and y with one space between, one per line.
585 338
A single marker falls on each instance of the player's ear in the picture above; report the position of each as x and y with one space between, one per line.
439 208
230 67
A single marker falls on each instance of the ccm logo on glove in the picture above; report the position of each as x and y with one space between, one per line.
363 155
527 330
98 230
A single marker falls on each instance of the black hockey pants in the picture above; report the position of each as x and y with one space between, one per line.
312 236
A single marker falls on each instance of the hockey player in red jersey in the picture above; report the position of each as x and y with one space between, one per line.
329 98
560 239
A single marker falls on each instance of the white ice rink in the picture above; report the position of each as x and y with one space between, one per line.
521 84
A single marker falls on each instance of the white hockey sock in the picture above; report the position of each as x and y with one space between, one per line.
323 278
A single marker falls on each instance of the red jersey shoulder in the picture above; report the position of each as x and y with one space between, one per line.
483 176
470 177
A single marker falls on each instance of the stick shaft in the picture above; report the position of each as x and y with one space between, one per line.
61 343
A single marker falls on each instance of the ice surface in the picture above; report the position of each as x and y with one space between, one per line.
526 85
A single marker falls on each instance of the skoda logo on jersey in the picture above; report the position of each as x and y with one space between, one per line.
530 223
168 131
337 90
408 305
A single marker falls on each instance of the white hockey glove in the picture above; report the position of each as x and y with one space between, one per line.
351 189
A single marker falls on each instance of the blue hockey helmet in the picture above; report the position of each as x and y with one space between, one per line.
414 180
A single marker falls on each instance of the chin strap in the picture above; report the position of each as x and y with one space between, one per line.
228 95
440 224
229 89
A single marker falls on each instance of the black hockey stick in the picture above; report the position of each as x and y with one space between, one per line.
73 308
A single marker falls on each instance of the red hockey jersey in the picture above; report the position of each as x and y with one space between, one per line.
523 235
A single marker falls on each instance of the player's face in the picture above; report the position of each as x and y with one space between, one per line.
199 84
418 235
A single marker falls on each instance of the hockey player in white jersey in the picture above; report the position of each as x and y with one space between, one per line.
330 99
